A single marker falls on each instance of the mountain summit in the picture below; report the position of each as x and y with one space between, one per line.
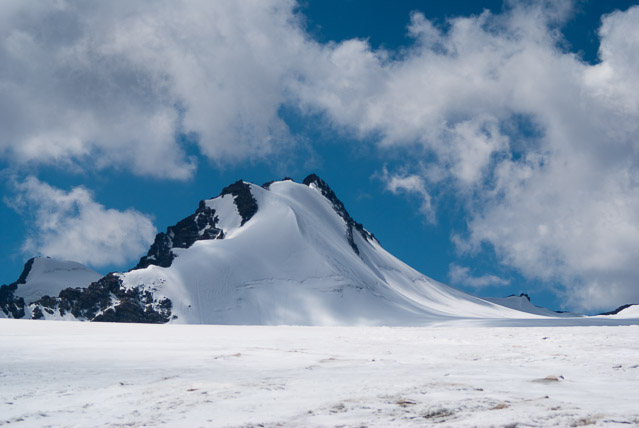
281 253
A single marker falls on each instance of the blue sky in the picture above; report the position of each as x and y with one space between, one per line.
492 146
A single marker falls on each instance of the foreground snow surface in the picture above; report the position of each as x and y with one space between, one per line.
64 374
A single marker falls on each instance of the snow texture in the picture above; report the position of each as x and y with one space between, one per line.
61 374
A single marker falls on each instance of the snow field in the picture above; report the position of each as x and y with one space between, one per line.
66 374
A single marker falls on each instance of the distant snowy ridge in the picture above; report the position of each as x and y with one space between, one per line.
43 276
281 253
625 311
523 303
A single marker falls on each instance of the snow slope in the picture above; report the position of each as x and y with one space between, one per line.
48 276
108 375
628 312
296 262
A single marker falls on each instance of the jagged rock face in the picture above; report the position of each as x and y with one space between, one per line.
199 225
11 304
105 300
338 206
25 272
244 200
524 295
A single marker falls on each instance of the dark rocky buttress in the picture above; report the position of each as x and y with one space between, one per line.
11 304
201 225
243 199
198 226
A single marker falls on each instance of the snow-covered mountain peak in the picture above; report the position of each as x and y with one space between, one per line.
290 253
222 216
281 253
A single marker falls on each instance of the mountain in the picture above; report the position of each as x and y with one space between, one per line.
523 303
43 276
626 311
281 253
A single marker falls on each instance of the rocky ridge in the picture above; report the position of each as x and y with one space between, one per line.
339 208
11 304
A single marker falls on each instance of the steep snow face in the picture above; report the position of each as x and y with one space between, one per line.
629 312
48 276
295 258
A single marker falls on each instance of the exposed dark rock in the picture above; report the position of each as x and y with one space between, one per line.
267 185
131 311
521 295
11 304
339 208
198 226
37 313
22 279
619 309
106 300
244 200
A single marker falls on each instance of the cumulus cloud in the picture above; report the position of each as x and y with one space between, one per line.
410 184
73 226
460 275
116 84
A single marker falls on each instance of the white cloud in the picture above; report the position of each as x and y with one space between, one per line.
614 80
72 226
112 84
411 184
460 275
